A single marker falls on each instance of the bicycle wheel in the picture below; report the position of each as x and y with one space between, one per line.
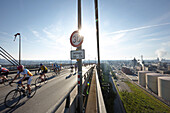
45 79
12 98
38 82
9 80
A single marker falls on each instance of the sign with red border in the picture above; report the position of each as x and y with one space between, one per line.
76 39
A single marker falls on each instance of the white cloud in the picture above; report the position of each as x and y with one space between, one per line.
36 33
5 33
138 28
153 39
164 17
161 53
166 43
49 35
112 40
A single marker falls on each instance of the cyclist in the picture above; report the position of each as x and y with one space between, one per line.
54 67
75 67
27 76
57 67
72 68
44 70
3 73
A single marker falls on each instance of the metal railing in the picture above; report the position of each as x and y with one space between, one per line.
67 96
100 101
8 57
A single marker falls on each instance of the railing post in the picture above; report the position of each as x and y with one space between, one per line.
68 101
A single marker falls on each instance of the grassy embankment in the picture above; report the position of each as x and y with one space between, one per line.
139 101
107 92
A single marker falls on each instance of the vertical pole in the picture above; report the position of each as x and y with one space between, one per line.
97 33
68 102
71 64
80 100
19 49
95 60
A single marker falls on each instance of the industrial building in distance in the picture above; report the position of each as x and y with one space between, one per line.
152 75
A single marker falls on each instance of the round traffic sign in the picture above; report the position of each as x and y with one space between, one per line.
76 39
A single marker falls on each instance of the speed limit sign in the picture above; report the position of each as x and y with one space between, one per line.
76 39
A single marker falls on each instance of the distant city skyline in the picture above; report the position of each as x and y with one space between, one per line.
127 29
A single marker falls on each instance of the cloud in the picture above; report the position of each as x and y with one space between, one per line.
36 33
138 28
112 40
164 17
49 34
5 33
166 43
52 39
153 39
161 53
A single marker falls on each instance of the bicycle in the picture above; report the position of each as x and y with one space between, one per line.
6 82
39 81
57 71
14 96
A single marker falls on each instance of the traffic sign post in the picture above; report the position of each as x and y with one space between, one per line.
78 54
76 40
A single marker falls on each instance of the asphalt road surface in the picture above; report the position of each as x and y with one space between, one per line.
46 96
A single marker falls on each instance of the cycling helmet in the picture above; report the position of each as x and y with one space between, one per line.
41 64
20 67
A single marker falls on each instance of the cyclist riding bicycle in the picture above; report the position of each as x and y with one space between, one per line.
56 68
59 67
27 76
3 73
75 67
53 66
44 70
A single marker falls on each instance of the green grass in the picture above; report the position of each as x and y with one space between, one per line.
138 101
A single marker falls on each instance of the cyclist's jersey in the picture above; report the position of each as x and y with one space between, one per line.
44 68
4 70
53 65
56 66
25 71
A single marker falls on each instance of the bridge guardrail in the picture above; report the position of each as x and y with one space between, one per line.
100 101
95 102
67 96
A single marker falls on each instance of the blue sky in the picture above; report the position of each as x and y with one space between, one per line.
128 28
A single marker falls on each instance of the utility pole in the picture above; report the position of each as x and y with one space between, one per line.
19 46
80 98
97 34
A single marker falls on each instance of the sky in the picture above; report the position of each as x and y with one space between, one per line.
127 28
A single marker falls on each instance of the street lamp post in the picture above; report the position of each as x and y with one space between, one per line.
97 33
19 46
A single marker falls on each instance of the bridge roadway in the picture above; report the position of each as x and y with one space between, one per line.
46 96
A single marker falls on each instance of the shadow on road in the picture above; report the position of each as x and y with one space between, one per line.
4 109
68 76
